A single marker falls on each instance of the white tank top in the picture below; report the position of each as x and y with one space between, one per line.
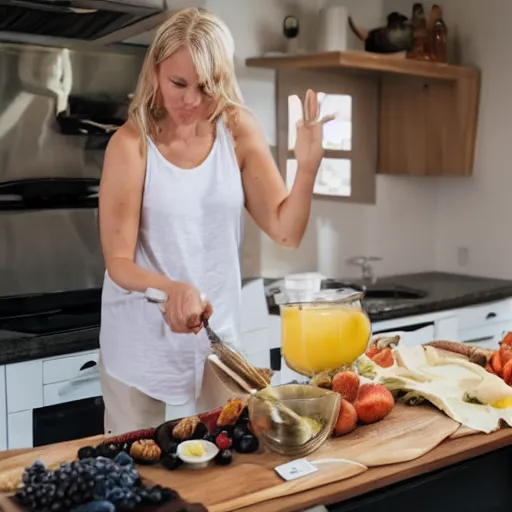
191 230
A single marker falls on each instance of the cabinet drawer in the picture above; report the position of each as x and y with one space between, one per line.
486 336
65 368
62 392
412 335
491 313
24 382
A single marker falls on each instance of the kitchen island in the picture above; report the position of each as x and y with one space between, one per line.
471 470
47 367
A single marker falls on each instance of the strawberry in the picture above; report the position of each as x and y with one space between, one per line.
384 358
505 354
497 364
507 372
372 352
347 419
373 403
346 383
223 442
507 339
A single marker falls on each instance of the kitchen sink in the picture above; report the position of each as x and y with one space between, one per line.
378 291
397 293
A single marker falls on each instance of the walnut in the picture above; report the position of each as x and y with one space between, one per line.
185 428
230 413
146 450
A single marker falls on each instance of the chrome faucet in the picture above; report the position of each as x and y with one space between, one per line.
368 275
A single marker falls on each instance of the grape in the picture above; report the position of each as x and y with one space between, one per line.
96 506
98 484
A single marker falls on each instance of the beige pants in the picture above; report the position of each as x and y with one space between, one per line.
127 409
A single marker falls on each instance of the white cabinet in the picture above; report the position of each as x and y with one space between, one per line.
254 324
3 410
484 324
41 383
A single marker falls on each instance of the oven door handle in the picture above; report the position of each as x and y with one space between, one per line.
85 375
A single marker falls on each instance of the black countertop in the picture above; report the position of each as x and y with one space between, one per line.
17 347
443 291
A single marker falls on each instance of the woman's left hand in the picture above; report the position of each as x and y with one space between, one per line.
308 145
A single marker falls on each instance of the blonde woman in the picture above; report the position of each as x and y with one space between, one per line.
176 179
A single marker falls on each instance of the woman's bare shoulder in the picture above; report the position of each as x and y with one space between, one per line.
126 139
246 123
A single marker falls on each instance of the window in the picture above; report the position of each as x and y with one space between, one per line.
348 168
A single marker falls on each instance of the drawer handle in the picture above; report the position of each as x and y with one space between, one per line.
89 374
89 364
491 315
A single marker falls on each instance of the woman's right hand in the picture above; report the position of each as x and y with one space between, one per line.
185 308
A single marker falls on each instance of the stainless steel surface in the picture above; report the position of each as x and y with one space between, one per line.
78 23
36 84
367 272
48 251
55 249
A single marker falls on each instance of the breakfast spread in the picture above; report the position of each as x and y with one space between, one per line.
355 380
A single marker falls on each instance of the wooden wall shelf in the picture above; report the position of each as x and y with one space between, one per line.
428 112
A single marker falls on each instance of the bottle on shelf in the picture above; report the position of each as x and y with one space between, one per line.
437 35
420 45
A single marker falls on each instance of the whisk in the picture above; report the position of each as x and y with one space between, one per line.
257 378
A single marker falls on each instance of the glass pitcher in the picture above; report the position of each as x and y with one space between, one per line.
322 331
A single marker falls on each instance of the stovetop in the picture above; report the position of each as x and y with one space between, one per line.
43 314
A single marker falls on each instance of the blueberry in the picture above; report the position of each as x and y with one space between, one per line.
96 506
239 432
123 459
224 457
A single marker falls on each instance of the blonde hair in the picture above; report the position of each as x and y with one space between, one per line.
211 46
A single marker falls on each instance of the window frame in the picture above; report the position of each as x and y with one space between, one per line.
364 144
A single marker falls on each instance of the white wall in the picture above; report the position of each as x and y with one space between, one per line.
474 213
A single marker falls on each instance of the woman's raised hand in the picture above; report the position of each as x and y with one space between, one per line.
308 146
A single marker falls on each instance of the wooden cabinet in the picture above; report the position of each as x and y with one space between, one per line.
427 112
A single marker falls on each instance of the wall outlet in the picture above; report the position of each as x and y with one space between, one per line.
462 256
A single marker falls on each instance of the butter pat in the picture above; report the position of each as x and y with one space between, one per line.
194 450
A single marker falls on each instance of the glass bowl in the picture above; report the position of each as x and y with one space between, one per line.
321 405
322 331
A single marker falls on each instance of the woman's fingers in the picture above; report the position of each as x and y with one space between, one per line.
327 119
311 107
208 310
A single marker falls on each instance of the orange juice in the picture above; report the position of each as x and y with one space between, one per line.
316 338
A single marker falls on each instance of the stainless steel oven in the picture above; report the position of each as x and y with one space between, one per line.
58 110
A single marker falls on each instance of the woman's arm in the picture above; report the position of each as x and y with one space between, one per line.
120 201
281 215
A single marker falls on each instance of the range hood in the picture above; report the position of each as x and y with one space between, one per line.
76 23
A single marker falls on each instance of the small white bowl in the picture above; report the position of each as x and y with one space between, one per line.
198 462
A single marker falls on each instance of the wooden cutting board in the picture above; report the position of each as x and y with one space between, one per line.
12 466
406 434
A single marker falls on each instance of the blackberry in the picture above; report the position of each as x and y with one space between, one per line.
87 452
